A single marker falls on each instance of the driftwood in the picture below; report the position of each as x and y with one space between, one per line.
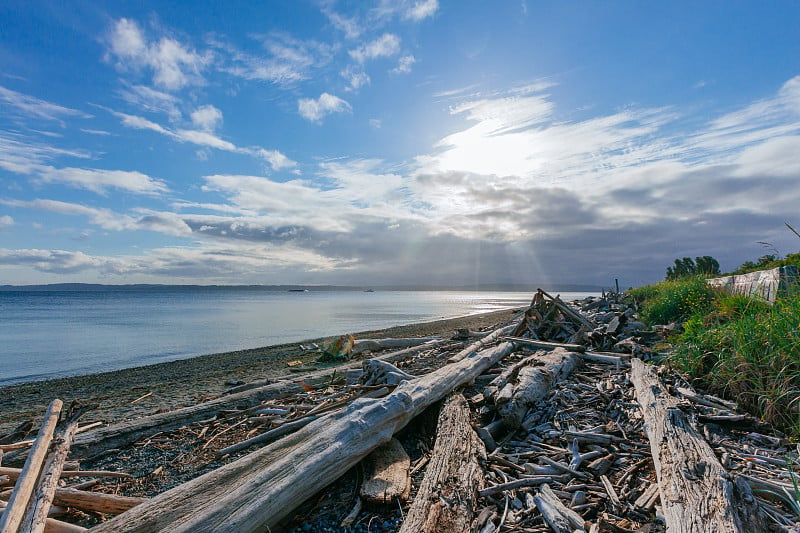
95 501
371 345
26 483
383 373
255 492
558 516
388 474
51 525
124 433
13 473
533 380
267 436
544 345
36 515
697 495
473 348
447 498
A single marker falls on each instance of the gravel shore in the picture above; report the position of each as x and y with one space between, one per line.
174 384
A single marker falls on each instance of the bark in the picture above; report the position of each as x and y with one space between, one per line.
98 502
255 492
447 498
697 494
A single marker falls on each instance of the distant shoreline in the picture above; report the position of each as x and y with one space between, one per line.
498 287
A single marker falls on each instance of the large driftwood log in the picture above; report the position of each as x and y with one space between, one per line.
473 348
697 494
51 524
27 481
124 433
447 498
388 474
371 345
98 502
255 492
540 372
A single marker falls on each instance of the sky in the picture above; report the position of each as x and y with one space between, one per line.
434 142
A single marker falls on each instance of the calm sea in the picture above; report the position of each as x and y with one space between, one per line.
53 334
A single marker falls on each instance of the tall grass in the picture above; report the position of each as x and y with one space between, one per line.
749 351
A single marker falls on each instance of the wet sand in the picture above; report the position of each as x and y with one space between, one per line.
188 381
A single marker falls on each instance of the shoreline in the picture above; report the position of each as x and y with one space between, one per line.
173 384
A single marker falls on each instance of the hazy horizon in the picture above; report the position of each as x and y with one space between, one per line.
394 142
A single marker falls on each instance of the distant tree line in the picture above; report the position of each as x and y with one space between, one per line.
699 266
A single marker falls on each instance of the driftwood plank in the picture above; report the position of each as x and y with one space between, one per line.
697 494
388 474
255 492
447 498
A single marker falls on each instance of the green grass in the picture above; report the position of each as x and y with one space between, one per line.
672 301
748 351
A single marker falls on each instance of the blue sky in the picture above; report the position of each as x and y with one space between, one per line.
413 141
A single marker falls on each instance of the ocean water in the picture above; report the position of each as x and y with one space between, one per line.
61 333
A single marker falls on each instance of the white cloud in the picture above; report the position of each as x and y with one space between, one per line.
355 77
6 222
421 10
151 100
207 117
32 107
316 110
405 64
99 181
59 261
22 156
349 26
386 45
173 65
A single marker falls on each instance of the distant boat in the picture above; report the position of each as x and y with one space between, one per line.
369 290
298 290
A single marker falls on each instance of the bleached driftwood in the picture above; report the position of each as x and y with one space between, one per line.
255 492
533 380
387 474
14 473
371 345
51 524
697 494
39 506
480 343
383 373
27 481
127 432
447 498
543 345
98 502
558 516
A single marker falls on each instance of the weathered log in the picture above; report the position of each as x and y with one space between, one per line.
267 436
547 345
541 372
371 345
36 515
14 473
51 524
447 497
387 474
98 502
26 483
480 343
127 432
255 492
697 494
383 373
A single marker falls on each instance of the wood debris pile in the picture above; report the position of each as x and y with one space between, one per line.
549 423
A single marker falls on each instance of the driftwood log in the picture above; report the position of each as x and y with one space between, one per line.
447 498
27 482
51 524
124 433
388 474
480 343
255 492
533 380
697 494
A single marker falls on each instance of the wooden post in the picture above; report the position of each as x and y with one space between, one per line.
447 498
697 494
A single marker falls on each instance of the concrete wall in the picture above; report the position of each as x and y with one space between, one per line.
766 284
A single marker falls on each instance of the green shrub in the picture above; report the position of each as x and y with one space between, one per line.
677 300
